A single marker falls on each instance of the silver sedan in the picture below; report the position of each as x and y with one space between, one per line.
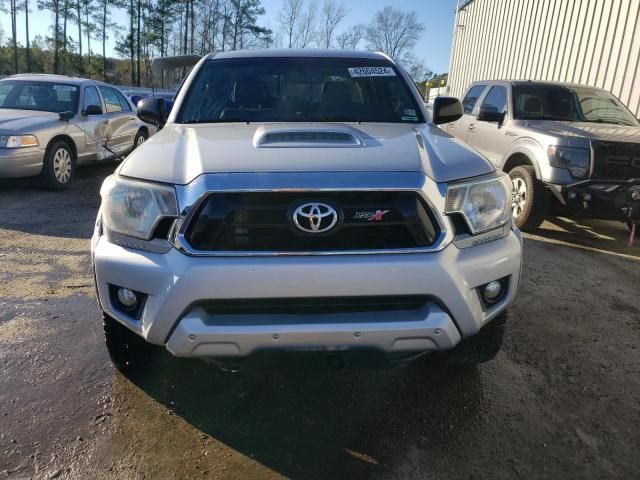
49 124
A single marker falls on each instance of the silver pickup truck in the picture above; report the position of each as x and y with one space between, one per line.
302 200
575 146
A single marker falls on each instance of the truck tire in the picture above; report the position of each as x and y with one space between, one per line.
129 352
530 198
59 166
481 347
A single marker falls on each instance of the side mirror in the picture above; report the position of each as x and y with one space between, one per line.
446 110
152 110
490 114
66 116
92 110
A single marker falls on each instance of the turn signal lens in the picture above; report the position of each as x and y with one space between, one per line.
17 141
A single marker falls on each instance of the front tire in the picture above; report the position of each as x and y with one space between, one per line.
530 203
481 347
59 166
129 352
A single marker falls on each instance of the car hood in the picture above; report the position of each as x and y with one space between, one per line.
24 121
180 153
595 131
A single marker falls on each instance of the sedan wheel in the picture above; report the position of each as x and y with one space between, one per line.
58 166
62 165
141 137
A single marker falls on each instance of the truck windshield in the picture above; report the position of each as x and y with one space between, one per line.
569 104
299 90
42 96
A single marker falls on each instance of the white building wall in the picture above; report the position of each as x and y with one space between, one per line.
593 42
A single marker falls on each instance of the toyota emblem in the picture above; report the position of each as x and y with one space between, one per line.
315 217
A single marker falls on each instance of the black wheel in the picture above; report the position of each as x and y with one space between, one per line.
129 352
59 166
530 203
141 137
481 347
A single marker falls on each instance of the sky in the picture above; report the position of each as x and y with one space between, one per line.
434 47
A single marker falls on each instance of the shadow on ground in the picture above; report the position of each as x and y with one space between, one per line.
304 420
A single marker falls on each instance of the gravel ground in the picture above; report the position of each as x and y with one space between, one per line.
560 400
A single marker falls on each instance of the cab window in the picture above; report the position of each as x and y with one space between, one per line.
471 98
496 100
111 100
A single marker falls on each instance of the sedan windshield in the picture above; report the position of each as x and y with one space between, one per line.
42 96
569 104
299 90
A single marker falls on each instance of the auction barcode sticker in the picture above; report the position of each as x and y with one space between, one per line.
371 72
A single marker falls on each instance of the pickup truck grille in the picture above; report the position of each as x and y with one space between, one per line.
616 160
263 222
315 305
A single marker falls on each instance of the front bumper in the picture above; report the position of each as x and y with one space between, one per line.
20 162
605 199
176 285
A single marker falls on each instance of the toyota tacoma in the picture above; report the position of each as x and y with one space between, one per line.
303 201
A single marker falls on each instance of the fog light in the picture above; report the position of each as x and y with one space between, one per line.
127 298
492 291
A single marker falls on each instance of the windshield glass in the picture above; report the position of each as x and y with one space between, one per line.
299 90
569 104
43 96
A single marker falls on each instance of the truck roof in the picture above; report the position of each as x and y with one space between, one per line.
299 53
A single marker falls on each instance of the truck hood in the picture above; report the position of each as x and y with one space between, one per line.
179 153
594 131
24 121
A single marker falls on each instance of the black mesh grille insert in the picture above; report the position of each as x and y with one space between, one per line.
616 160
264 222
314 306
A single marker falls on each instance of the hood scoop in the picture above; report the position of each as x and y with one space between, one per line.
306 137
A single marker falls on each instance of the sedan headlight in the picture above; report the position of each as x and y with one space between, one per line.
485 203
134 208
576 160
18 141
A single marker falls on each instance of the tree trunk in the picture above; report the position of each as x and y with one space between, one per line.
14 13
64 32
56 38
193 27
132 43
104 40
186 27
88 40
138 41
80 34
26 16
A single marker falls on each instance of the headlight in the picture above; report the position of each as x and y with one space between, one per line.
17 141
576 160
134 208
485 204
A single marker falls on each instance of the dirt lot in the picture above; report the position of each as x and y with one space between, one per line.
560 400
